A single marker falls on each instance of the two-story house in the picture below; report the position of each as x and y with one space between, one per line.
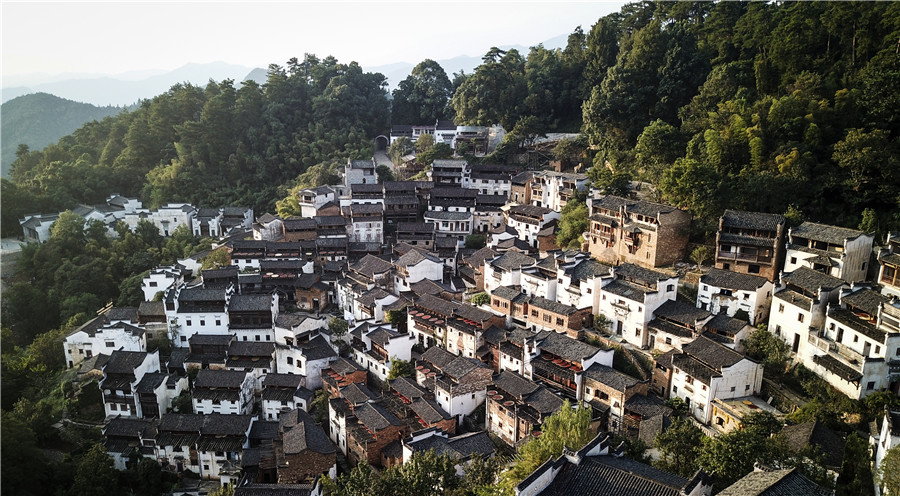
750 243
222 391
727 292
516 407
636 231
629 297
836 251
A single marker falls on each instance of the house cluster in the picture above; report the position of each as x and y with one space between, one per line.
422 366
208 222
446 132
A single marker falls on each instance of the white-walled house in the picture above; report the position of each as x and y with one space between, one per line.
629 297
222 391
376 345
155 391
706 370
283 393
553 190
414 266
113 330
888 438
528 220
191 311
799 304
857 345
723 291
505 270
121 373
160 279
836 251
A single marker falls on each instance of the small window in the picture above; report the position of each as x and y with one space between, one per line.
781 308
290 360
110 344
670 287
870 386
187 322
793 260
732 389
202 323
668 340
800 317
218 322
747 387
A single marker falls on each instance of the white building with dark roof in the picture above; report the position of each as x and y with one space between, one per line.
114 329
227 392
553 190
705 370
750 243
629 297
836 251
722 291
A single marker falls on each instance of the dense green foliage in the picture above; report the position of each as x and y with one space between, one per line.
422 98
39 119
425 474
568 427
212 146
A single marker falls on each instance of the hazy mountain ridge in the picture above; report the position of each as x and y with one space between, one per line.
39 119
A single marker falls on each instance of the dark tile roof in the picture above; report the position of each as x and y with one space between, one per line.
752 220
257 489
512 294
317 349
408 388
514 384
552 306
428 410
128 427
199 294
438 357
460 366
787 482
823 232
849 319
566 347
678 311
628 290
370 265
732 280
712 353
866 300
251 348
513 260
301 434
828 441
610 377
291 381
837 367
473 313
612 476
124 362
414 256
250 303
376 417
587 269
639 274
216 378
647 406
494 335
438 305
544 401
725 325
345 366
811 280
150 382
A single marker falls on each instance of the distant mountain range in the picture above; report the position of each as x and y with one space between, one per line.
40 119
40 109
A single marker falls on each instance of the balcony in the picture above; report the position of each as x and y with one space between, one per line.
743 257
851 357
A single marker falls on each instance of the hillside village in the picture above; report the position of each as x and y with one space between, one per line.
440 314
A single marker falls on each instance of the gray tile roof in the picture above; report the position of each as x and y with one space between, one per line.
627 290
460 366
828 441
213 378
376 417
566 347
318 349
370 265
514 384
544 401
787 482
866 300
301 434
678 311
823 232
610 377
124 362
631 272
552 306
811 280
438 357
357 393
725 325
732 280
513 294
428 410
438 305
612 476
752 220
291 381
513 260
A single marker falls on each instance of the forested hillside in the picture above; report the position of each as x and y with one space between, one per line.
211 146
746 105
39 119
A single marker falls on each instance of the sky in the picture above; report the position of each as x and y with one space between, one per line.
117 37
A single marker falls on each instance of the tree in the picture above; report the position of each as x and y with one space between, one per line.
400 368
699 255
96 475
731 456
384 173
567 427
678 447
481 298
215 260
772 351
657 148
423 97
338 329
573 222
476 241
495 93
399 149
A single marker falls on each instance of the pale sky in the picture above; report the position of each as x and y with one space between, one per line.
117 37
